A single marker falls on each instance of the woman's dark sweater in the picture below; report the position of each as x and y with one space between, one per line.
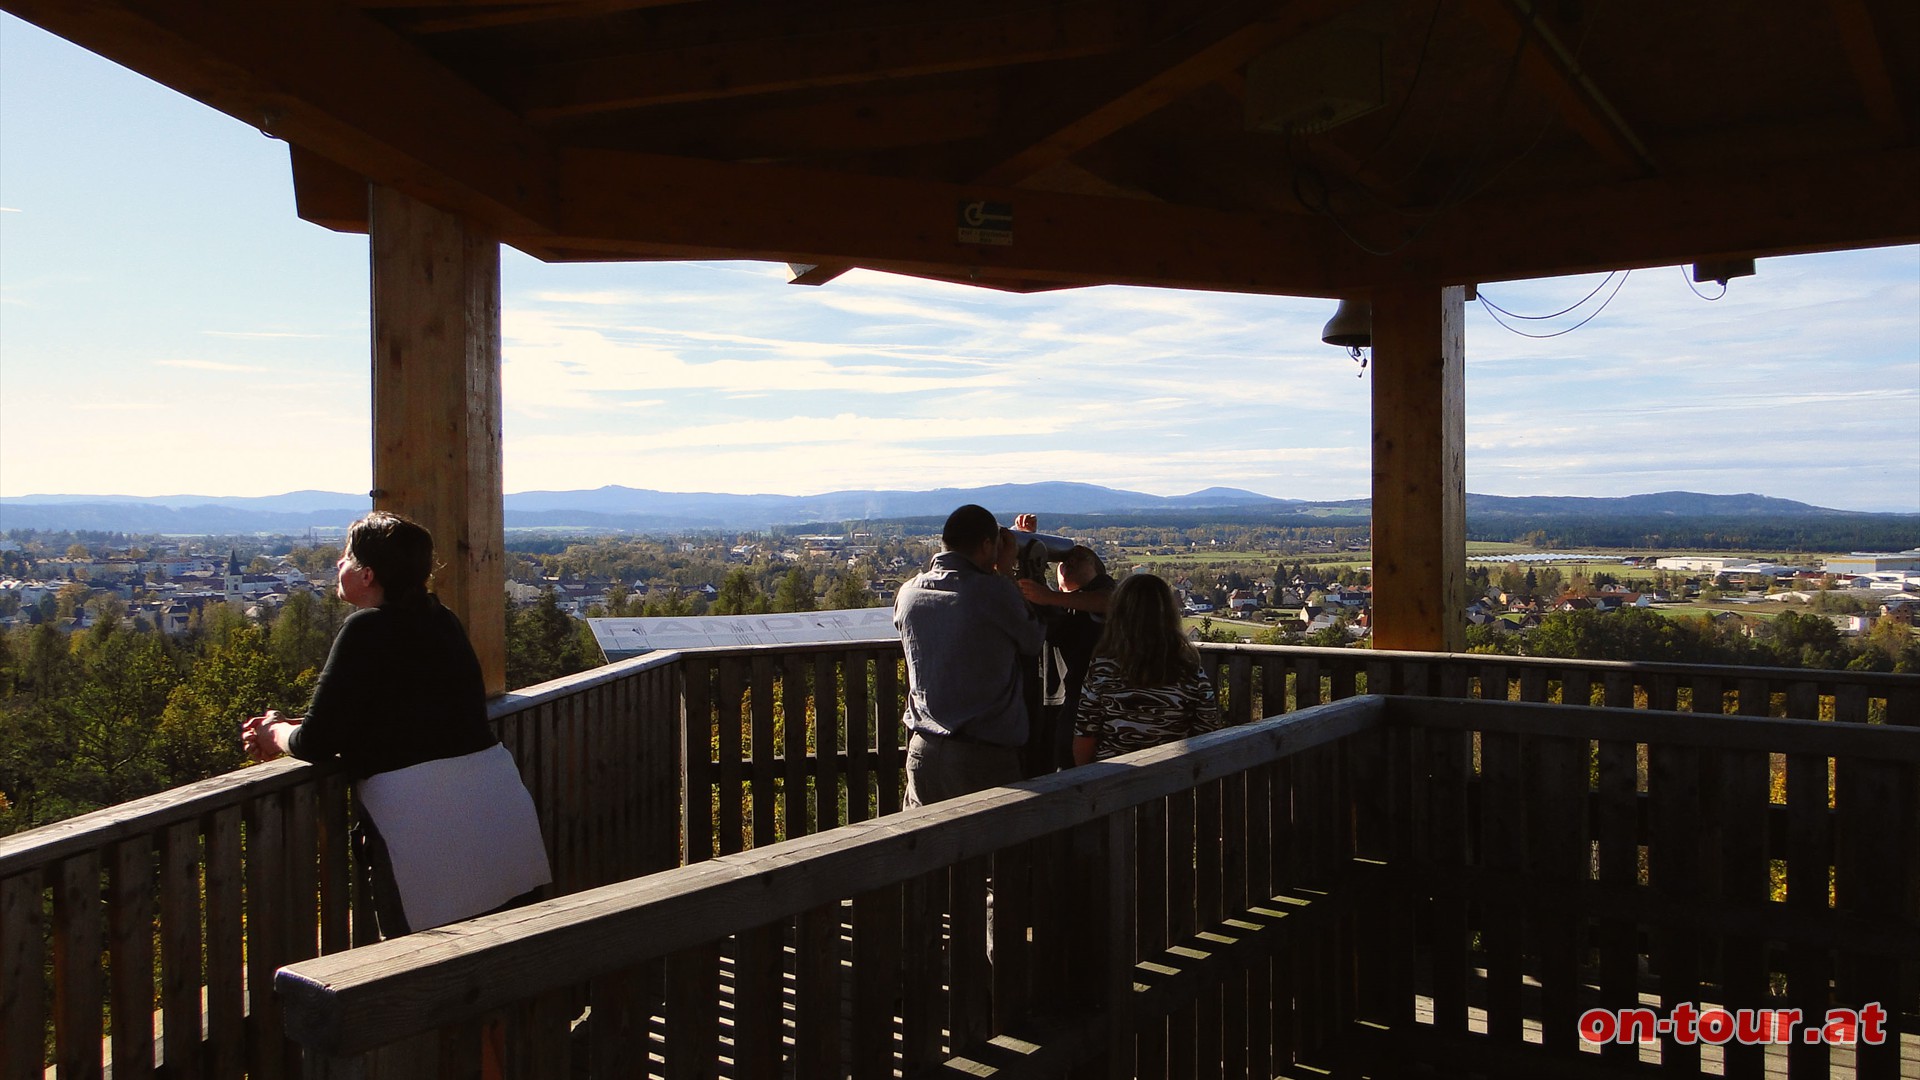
401 686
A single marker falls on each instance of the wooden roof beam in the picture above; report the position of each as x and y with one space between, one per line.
1551 68
401 120
1869 62
643 206
773 64
326 194
446 16
652 207
1211 47
1785 209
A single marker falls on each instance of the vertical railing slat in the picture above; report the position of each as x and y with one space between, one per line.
1808 857
1616 810
622 1003
239 940
970 997
537 1047
661 779
828 794
728 733
1009 916
876 979
23 958
794 700
336 869
1874 880
1744 882
1558 850
696 755
923 971
130 965
1673 865
594 759
890 769
859 739
180 947
817 992
1306 683
1150 921
1503 821
758 957
1273 686
765 795
692 1044
79 937
1114 882
1240 678
303 873
1448 765
265 939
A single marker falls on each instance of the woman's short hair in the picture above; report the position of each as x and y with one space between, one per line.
1143 634
397 550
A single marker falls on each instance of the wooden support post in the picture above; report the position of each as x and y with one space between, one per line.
1419 468
436 404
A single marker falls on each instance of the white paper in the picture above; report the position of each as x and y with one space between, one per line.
461 833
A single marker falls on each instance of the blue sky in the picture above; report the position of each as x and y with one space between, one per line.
168 325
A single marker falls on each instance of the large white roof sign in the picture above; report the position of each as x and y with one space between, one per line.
621 639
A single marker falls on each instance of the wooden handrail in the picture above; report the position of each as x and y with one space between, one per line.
1880 680
51 843
1769 734
351 1002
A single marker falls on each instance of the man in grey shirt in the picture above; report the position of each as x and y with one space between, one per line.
964 626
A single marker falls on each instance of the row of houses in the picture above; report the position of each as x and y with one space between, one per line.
578 596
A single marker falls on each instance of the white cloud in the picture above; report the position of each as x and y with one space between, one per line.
210 365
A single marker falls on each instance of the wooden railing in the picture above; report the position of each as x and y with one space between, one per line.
749 958
147 934
237 875
1374 885
766 779
1552 860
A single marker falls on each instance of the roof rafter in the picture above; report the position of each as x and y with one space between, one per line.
1553 69
1210 47
465 15
1869 62
772 64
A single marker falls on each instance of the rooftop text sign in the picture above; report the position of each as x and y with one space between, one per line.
621 639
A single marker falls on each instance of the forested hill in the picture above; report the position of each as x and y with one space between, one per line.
1669 519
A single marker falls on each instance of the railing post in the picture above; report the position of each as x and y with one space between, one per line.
1117 931
315 1065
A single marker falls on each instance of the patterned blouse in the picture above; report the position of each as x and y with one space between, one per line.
1122 718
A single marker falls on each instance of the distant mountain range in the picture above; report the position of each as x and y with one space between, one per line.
616 508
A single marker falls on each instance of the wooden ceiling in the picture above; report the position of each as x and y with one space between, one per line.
1159 142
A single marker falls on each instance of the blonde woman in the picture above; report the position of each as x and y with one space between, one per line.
1145 686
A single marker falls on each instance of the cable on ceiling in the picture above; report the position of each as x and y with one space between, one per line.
1618 277
1688 278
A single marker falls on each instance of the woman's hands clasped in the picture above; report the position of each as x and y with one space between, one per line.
265 737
